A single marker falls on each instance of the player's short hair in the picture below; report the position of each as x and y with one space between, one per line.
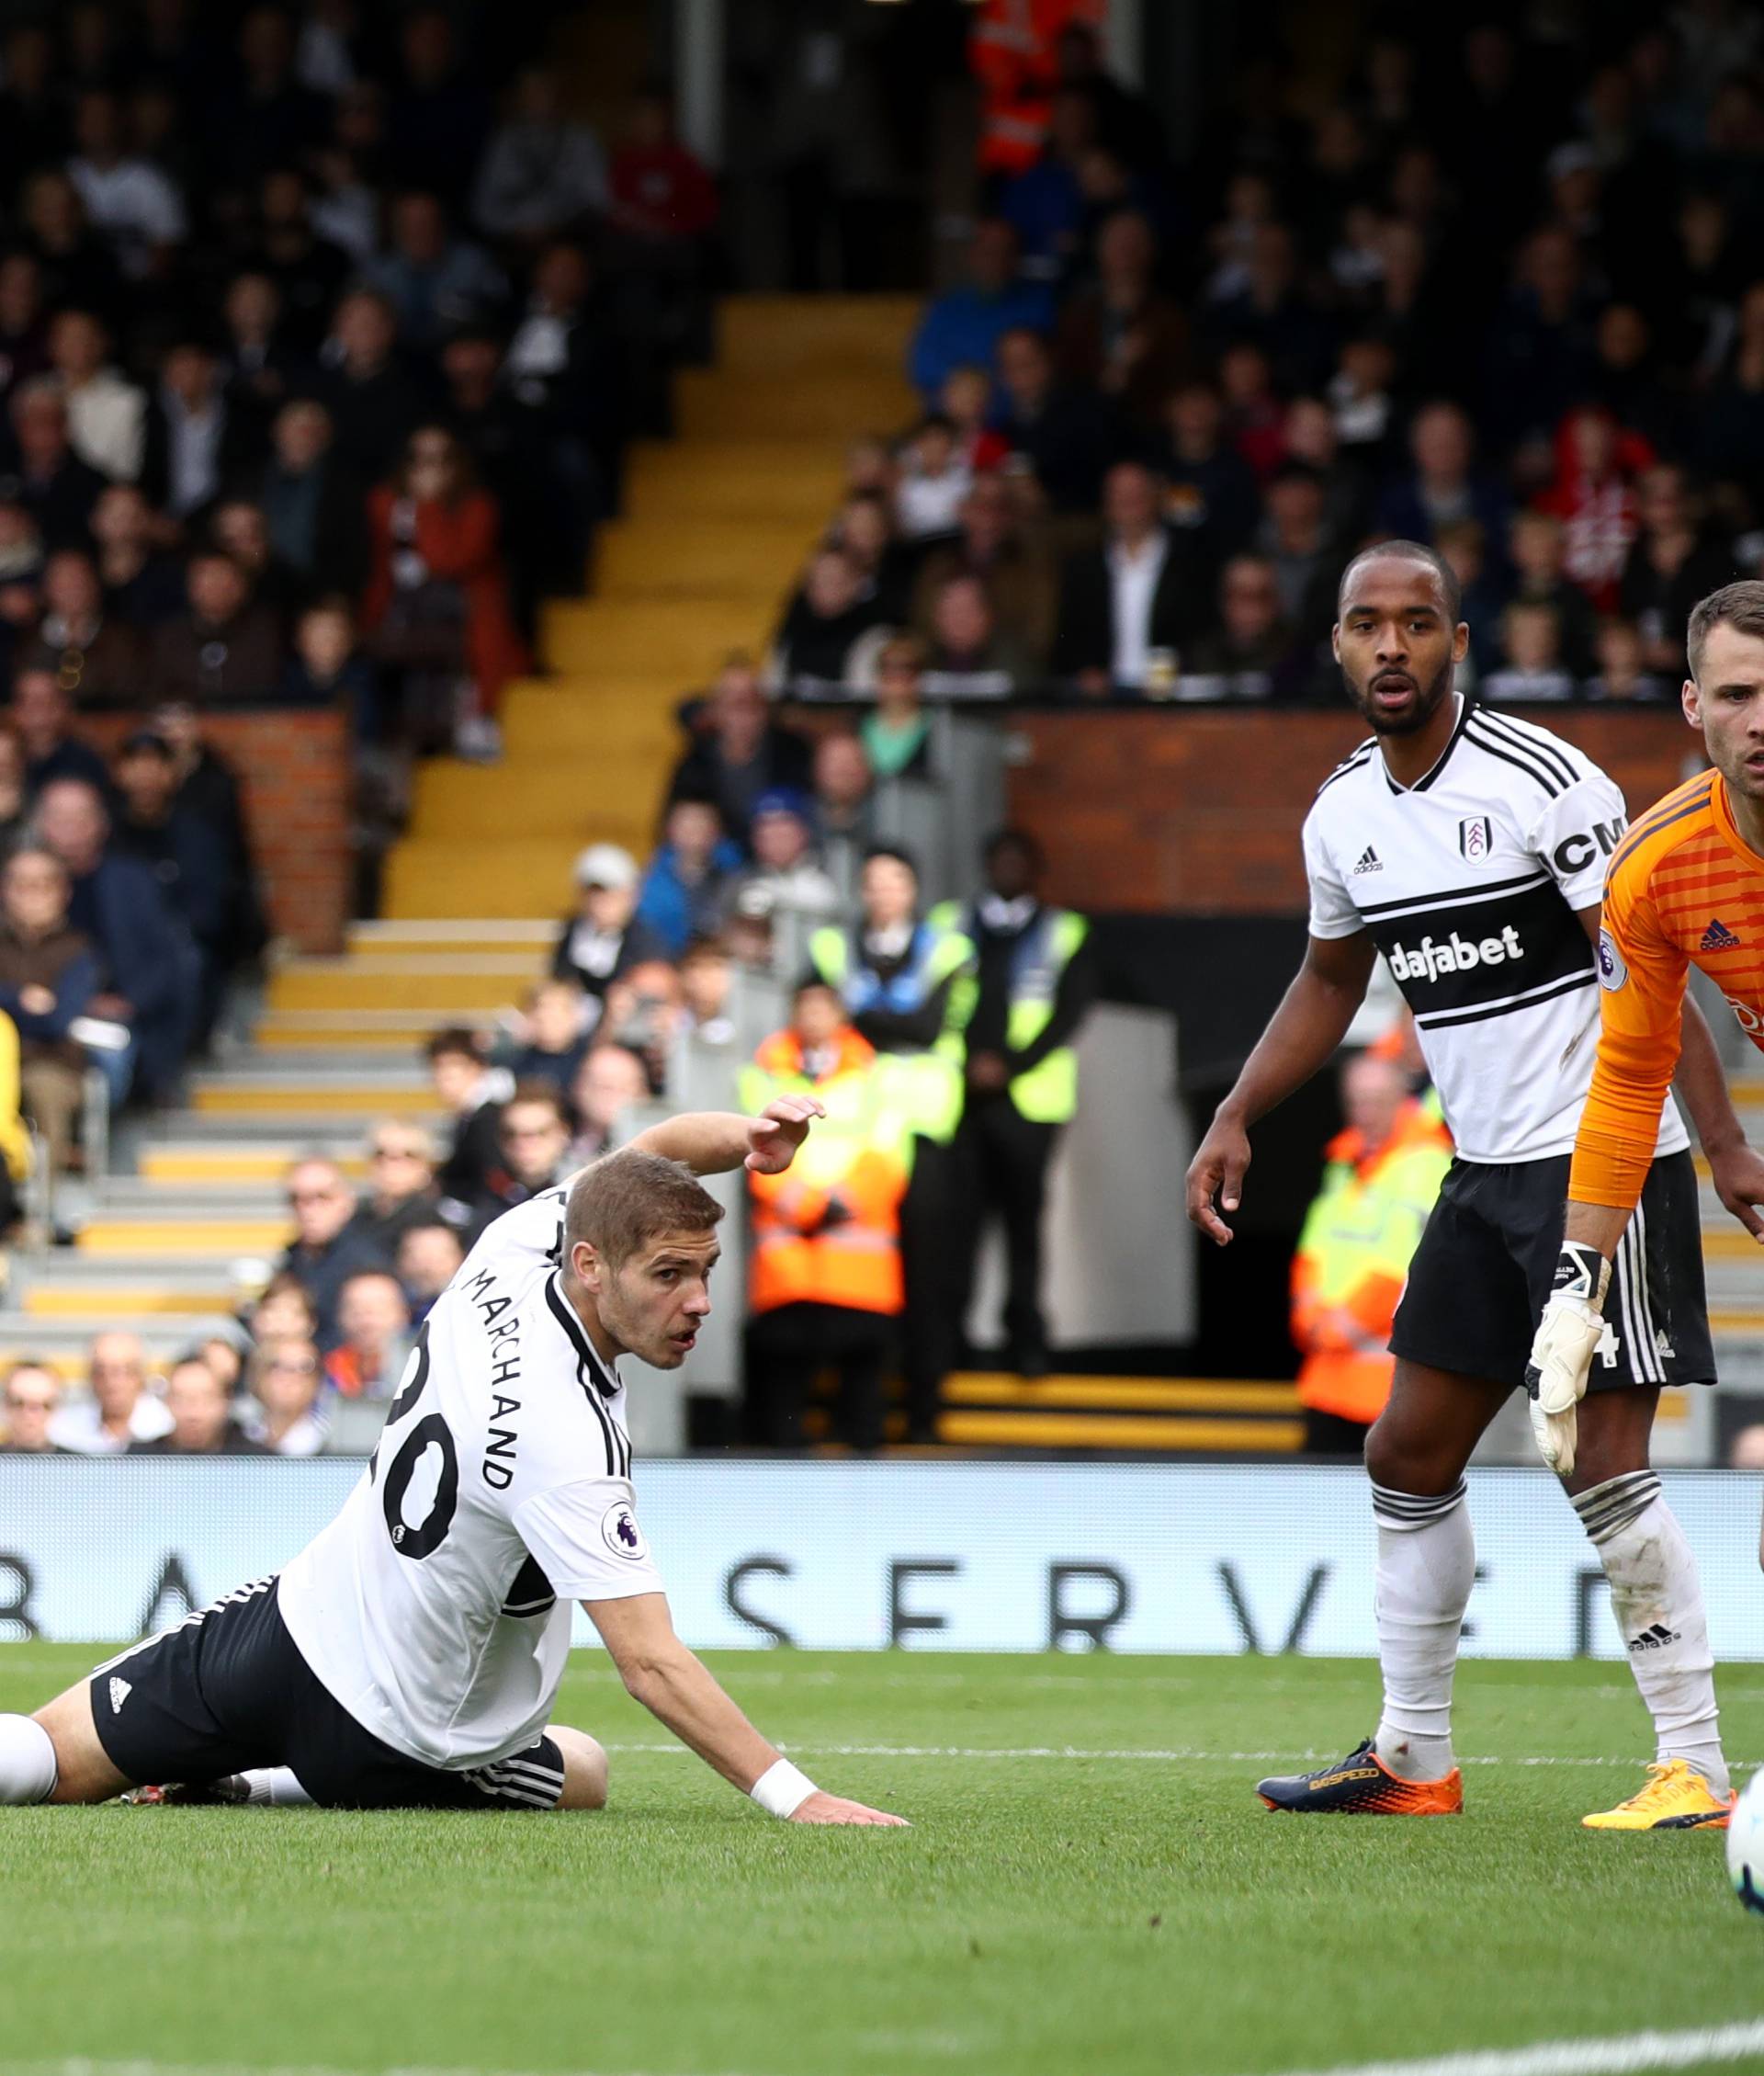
1738 605
1408 552
623 1200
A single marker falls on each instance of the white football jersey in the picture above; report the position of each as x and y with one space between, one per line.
436 1606
1469 882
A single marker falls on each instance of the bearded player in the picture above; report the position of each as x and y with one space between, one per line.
1468 847
410 1656
1686 889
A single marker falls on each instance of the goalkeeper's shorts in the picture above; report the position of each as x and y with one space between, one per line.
1485 1262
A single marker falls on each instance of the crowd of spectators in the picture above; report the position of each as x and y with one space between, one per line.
1489 289
322 329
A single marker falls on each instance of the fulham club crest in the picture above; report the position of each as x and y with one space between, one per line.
1477 838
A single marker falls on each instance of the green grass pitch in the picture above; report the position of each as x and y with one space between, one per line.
1088 1885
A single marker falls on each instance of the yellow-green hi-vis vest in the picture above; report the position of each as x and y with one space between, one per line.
1047 1092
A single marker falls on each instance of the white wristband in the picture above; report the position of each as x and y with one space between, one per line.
781 1789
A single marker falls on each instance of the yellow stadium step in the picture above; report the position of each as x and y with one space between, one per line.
122 1301
573 734
464 802
772 334
712 404
182 1237
413 1099
690 638
699 558
637 715
390 939
1119 1394
1731 1243
273 1037
428 876
404 983
1107 1431
757 480
226 1166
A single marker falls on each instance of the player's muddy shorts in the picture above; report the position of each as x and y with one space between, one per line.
1486 1260
227 1691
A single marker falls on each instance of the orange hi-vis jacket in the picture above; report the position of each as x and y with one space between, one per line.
1011 52
1683 890
1353 1257
827 1230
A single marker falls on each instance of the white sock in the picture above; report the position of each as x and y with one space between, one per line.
27 1767
275 1788
1427 1565
1657 1598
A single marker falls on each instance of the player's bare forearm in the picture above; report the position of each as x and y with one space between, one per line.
1702 1081
1596 1225
1301 1035
711 1142
678 1689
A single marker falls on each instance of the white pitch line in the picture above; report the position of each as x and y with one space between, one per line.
1626 2054
1165 1754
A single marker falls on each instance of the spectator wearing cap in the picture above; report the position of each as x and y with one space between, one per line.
191 442
48 479
226 650
28 1403
1140 592
314 504
609 1081
106 414
42 716
686 880
606 936
98 660
150 964
49 974
471 1091
284 1414
740 752
552 1034
188 859
542 173
428 1257
324 1253
784 867
965 323
402 1190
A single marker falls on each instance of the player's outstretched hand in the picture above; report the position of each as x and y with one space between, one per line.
835 1809
775 1135
1217 1171
1738 1178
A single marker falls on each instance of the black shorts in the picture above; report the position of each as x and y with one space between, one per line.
227 1691
1486 1260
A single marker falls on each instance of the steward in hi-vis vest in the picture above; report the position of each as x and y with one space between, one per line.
824 1278
1034 977
908 988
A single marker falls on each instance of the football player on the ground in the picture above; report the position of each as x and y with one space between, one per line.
410 1656
1468 847
1686 889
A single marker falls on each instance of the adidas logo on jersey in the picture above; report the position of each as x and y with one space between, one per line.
1655 1639
1368 861
1718 937
120 1692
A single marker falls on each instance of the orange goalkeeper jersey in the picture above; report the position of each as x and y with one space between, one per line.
1683 890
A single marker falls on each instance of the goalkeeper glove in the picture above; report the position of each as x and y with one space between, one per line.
1572 1326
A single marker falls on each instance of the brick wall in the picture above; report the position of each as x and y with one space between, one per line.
294 772
1196 811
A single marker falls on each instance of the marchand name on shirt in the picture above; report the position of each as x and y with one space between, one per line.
504 1337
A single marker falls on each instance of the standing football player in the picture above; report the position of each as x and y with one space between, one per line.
410 1656
1686 889
1468 847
